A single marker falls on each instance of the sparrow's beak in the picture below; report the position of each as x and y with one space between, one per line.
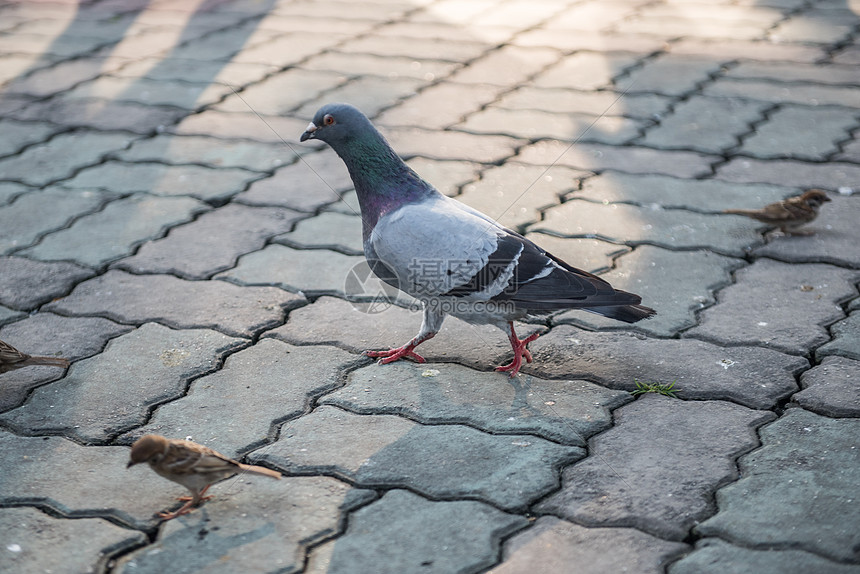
130 464
310 132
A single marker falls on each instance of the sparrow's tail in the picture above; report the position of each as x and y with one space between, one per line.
626 313
747 212
53 361
260 470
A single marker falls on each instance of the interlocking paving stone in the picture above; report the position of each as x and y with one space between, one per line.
282 93
831 389
794 72
244 126
675 283
832 237
672 25
553 546
59 157
799 489
368 64
446 176
822 129
751 376
558 410
440 105
255 524
752 310
584 71
537 124
814 27
237 311
351 327
370 94
589 39
427 48
10 190
8 315
313 271
832 175
37 542
101 114
150 92
666 488
433 144
232 74
635 225
759 51
846 338
288 50
25 284
203 183
669 74
112 392
643 106
52 335
782 93
630 159
715 556
237 407
441 461
208 151
114 232
696 194
316 180
17 135
592 255
34 214
403 532
514 194
506 66
211 243
710 125
330 230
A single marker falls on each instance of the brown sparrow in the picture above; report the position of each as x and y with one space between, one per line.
192 465
11 359
790 213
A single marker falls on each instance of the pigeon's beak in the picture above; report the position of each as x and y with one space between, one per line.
310 132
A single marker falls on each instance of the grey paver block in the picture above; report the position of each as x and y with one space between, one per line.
514 194
254 523
675 283
759 51
553 546
211 243
566 411
446 176
584 71
30 533
589 39
537 124
291 49
675 25
101 114
55 78
82 481
317 179
832 239
237 311
441 461
669 74
592 16
186 95
832 175
507 66
751 376
822 129
715 556
763 305
389 65
8 315
403 532
59 157
221 44
116 230
232 74
846 338
370 94
452 145
666 488
25 284
208 151
203 183
814 27
244 126
810 94
593 255
237 407
440 105
113 391
17 135
330 230
10 190
710 125
37 213
673 192
831 389
282 93
635 225
52 335
298 271
358 328
798 489
641 106
422 48
795 72
630 159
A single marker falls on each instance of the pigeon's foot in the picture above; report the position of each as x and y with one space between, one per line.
520 347
404 352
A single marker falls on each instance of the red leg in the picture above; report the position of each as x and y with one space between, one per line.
406 351
190 501
520 347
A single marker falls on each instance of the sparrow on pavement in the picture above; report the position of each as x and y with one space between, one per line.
11 359
454 259
194 466
790 213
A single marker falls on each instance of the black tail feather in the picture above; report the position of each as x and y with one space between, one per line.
626 313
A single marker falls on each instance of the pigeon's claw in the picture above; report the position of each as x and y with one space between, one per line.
391 355
520 347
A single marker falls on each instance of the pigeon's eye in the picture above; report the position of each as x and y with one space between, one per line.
328 119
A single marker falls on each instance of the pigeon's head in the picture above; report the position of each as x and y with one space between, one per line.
334 123
814 198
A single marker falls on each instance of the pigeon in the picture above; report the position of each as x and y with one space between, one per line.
790 213
11 359
192 465
454 259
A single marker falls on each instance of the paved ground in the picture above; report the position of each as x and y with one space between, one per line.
161 226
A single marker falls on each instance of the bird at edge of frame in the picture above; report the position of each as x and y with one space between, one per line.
194 466
11 359
788 214
454 259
